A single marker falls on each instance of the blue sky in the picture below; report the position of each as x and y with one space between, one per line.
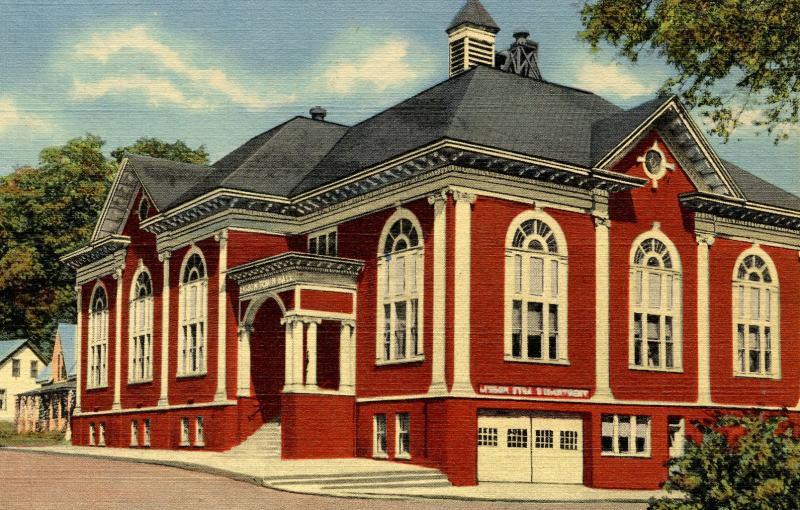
218 73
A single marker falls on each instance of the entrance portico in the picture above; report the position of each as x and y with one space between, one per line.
315 294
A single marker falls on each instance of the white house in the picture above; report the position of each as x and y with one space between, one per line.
20 363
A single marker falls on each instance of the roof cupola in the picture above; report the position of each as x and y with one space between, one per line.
472 36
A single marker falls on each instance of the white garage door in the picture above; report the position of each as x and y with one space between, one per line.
530 449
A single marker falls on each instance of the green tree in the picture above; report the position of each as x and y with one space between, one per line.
732 57
156 148
49 211
742 463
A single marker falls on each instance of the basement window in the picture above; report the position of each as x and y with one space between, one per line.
146 432
184 431
379 436
199 432
134 433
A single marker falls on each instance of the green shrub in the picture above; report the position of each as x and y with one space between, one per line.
742 463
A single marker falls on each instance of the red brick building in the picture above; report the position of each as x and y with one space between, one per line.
495 277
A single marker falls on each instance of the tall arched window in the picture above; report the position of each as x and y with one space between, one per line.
655 303
536 290
98 339
140 315
400 289
756 313
193 316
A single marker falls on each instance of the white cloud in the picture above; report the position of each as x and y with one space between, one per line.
203 82
612 79
157 90
383 67
11 117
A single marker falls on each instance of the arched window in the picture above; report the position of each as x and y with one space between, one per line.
140 346
536 290
655 303
400 289
193 316
98 339
756 312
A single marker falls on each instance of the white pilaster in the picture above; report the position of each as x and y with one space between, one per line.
311 352
163 399
602 308
462 383
243 362
298 334
222 317
704 243
288 350
117 404
78 349
347 358
438 381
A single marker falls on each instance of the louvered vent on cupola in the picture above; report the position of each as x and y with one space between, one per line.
472 36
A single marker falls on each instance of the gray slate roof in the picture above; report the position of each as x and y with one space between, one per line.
484 106
9 347
474 13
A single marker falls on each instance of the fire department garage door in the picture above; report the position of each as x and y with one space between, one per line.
530 449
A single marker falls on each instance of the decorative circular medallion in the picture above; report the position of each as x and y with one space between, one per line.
655 164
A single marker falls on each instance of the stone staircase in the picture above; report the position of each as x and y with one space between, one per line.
360 481
265 443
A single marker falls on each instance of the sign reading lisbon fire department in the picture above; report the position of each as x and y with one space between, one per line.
532 391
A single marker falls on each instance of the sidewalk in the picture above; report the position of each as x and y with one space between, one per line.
361 478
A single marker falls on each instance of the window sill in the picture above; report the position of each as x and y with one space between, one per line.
656 369
389 362
557 362
626 455
95 388
380 456
185 445
136 383
191 376
402 456
768 377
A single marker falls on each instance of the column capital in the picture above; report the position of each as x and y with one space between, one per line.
245 329
602 221
464 196
164 256
221 236
117 275
438 197
350 323
704 238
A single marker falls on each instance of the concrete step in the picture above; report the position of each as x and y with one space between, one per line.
362 480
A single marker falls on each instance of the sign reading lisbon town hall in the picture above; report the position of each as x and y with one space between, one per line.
497 271
530 391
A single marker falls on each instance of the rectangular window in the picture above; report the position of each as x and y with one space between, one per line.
403 436
379 437
487 436
101 440
400 275
637 339
655 290
676 433
637 287
516 329
518 274
199 432
537 276
741 348
184 431
535 326
134 433
414 326
767 351
653 341
400 329
323 243
554 278
669 345
34 369
517 438
15 368
91 434
543 439
387 331
568 440
755 350
146 435
625 435
553 336
755 304
3 400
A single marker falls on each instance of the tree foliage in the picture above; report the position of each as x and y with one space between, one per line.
736 60
156 148
742 463
48 211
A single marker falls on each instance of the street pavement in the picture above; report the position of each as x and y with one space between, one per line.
34 480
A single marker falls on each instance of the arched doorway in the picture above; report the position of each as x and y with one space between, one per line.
267 347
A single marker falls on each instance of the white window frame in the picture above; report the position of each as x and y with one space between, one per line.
668 309
134 433
195 315
97 352
632 435
380 436
676 428
16 368
519 289
101 439
146 432
3 399
764 315
140 328
91 434
34 369
324 235
184 425
393 291
199 431
402 427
